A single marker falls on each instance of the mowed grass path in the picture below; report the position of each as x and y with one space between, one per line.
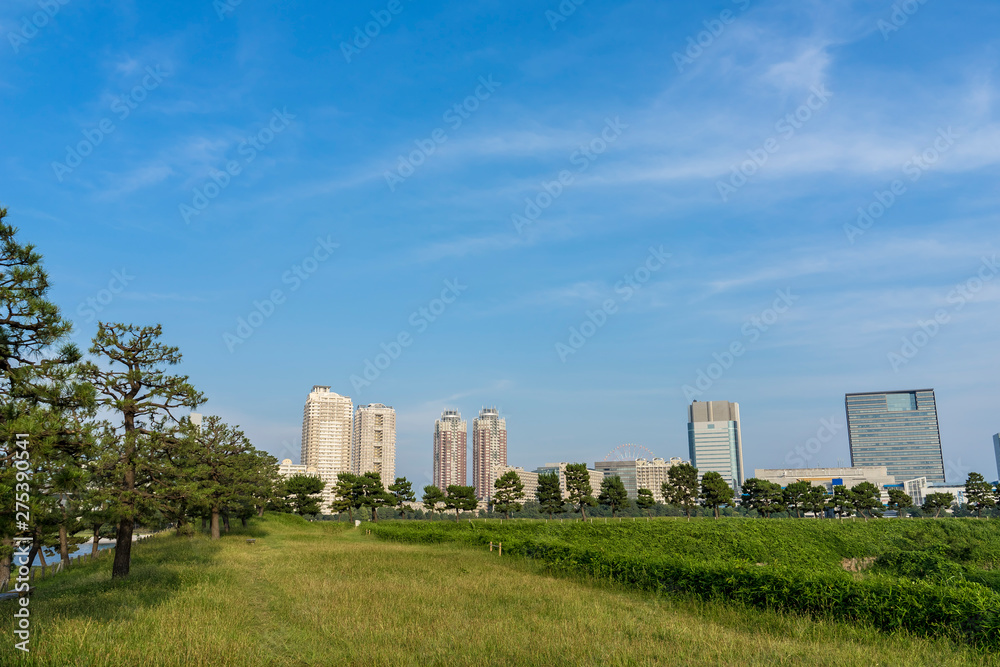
309 594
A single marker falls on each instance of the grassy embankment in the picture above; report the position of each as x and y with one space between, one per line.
314 594
934 578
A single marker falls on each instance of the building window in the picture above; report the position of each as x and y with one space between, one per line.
900 402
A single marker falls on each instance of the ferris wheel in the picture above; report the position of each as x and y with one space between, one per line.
628 452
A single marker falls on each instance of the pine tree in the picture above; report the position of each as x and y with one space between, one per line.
867 500
645 501
347 493
508 492
41 393
978 494
461 498
402 491
433 499
578 489
763 496
795 497
549 494
715 492
613 495
372 494
303 493
681 487
899 501
132 383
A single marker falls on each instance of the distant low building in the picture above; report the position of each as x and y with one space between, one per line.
529 479
918 489
640 474
288 469
831 477
596 476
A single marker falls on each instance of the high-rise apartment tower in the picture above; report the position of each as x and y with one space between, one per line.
326 437
489 450
450 447
373 448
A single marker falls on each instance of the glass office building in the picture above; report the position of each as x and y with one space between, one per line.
898 430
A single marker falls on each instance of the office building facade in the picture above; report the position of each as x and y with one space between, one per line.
450 448
489 450
996 452
373 447
898 430
715 440
326 437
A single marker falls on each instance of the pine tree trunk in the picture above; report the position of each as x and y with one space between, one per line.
225 521
123 540
204 524
244 520
63 545
97 539
5 562
215 523
123 548
64 536
260 512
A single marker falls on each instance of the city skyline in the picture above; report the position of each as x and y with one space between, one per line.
463 450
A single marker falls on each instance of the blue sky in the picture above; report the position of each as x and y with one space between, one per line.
525 160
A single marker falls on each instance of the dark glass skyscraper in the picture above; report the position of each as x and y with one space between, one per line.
898 430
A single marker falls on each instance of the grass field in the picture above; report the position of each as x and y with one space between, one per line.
316 594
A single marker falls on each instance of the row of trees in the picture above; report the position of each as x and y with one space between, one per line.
683 490
106 443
